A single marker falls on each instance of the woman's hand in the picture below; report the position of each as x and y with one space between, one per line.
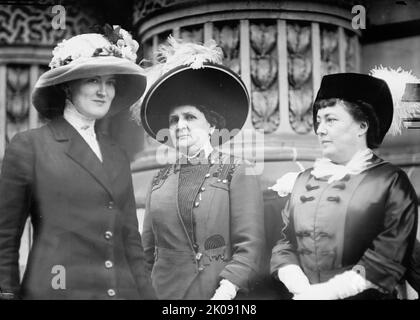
319 291
342 286
226 291
293 278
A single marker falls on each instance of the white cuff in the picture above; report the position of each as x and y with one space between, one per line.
226 291
293 278
349 283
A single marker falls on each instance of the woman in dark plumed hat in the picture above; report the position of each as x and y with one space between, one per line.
350 223
203 227
74 182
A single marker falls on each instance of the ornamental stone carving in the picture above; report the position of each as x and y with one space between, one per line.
329 50
299 76
227 37
17 100
32 24
264 68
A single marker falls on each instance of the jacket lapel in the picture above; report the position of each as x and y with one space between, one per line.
79 151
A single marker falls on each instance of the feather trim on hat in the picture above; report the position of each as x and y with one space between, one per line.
396 81
174 54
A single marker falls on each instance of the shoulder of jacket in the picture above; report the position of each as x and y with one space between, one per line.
386 169
161 175
29 134
227 165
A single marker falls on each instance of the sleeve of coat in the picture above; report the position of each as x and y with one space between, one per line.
134 248
413 272
383 262
15 199
148 234
247 227
284 252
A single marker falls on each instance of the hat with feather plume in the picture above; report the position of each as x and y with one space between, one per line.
397 80
191 74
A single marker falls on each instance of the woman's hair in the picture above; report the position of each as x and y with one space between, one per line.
360 111
213 118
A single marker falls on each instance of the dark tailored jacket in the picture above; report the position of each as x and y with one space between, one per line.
369 219
83 215
229 229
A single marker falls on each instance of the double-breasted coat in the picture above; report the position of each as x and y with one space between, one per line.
229 230
83 215
368 220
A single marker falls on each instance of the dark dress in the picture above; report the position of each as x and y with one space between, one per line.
203 223
83 215
368 219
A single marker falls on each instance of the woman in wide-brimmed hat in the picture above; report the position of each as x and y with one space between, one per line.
350 223
203 229
74 182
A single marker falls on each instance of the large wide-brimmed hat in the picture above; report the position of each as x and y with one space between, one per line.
356 88
88 55
193 74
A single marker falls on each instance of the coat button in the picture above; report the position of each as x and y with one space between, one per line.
207 175
111 292
108 235
203 189
111 205
224 181
200 268
196 204
334 199
198 256
219 180
108 264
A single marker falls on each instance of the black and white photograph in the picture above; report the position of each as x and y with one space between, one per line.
234 152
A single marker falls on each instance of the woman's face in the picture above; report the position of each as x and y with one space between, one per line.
189 128
339 134
92 97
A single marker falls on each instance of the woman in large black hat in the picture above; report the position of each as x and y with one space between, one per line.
74 182
350 223
203 227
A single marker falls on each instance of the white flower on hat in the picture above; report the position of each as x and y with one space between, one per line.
80 46
127 44
116 42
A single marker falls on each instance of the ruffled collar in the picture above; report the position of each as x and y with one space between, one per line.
324 167
360 161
